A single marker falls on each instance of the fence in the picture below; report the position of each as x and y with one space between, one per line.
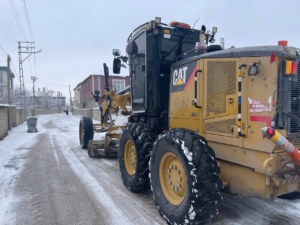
17 117
46 111
83 112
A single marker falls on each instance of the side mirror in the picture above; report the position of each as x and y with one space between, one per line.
117 66
132 48
116 52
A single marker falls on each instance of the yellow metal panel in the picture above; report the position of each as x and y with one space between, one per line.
243 180
258 104
181 101
242 156
184 123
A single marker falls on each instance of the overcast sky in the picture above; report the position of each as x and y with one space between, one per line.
77 37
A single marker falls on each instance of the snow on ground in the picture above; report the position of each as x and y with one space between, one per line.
12 159
63 133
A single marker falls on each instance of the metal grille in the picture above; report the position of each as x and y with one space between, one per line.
221 81
220 126
295 102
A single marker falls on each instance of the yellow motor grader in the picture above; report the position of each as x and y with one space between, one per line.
202 118
112 104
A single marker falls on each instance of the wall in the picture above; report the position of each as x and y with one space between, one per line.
18 117
3 122
87 88
96 114
46 111
83 112
14 116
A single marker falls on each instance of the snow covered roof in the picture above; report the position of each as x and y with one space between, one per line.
78 86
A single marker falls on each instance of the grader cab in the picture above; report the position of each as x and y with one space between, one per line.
201 119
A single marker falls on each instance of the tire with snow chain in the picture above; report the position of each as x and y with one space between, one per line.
134 154
184 178
86 131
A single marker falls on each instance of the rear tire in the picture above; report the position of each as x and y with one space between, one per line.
134 154
184 178
86 131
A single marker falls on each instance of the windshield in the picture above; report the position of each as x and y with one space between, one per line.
177 46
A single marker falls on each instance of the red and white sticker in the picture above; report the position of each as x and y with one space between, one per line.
255 106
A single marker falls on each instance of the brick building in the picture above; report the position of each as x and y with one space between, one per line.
94 82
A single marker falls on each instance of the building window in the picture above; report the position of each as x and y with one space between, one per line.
118 84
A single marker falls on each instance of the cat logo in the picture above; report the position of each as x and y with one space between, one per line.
179 76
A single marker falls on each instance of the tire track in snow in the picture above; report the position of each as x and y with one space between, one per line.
116 210
115 215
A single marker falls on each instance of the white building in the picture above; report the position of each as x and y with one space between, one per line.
3 77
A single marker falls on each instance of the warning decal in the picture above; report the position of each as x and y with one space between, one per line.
255 106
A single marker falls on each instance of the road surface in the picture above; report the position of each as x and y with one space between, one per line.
46 178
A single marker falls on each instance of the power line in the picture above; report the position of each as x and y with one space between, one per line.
15 70
3 50
18 19
11 62
28 22
34 66
30 66
9 51
56 84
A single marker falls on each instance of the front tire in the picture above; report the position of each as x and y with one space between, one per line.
86 131
134 154
184 178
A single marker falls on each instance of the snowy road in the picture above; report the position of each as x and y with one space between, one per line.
46 178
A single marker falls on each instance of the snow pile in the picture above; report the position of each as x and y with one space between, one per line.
120 120
99 136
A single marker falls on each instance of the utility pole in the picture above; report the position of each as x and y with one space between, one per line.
70 96
8 92
58 95
29 49
33 89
